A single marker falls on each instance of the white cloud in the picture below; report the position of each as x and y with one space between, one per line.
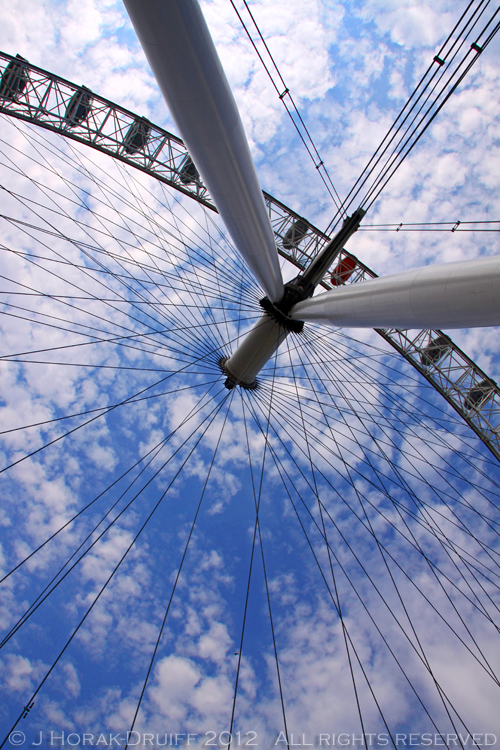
20 674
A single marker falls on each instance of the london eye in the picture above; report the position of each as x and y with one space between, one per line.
250 491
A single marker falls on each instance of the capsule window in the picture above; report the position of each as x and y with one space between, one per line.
477 394
137 136
343 271
14 79
295 234
435 351
188 172
79 107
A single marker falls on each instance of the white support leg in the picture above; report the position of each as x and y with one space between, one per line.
448 295
257 348
183 58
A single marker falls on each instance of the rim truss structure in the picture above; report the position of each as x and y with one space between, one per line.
474 395
44 99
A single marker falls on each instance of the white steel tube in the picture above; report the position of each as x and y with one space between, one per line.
183 58
257 348
448 295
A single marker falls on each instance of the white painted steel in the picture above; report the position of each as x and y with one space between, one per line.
255 350
183 58
448 295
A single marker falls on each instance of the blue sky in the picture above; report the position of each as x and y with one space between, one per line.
396 472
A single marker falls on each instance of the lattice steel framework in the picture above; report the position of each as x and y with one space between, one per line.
37 96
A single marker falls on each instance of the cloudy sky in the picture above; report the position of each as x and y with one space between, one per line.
366 598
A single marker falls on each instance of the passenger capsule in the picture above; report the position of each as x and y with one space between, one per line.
79 107
478 394
343 271
188 172
137 136
434 351
295 234
14 79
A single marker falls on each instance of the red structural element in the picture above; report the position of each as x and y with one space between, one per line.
343 271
